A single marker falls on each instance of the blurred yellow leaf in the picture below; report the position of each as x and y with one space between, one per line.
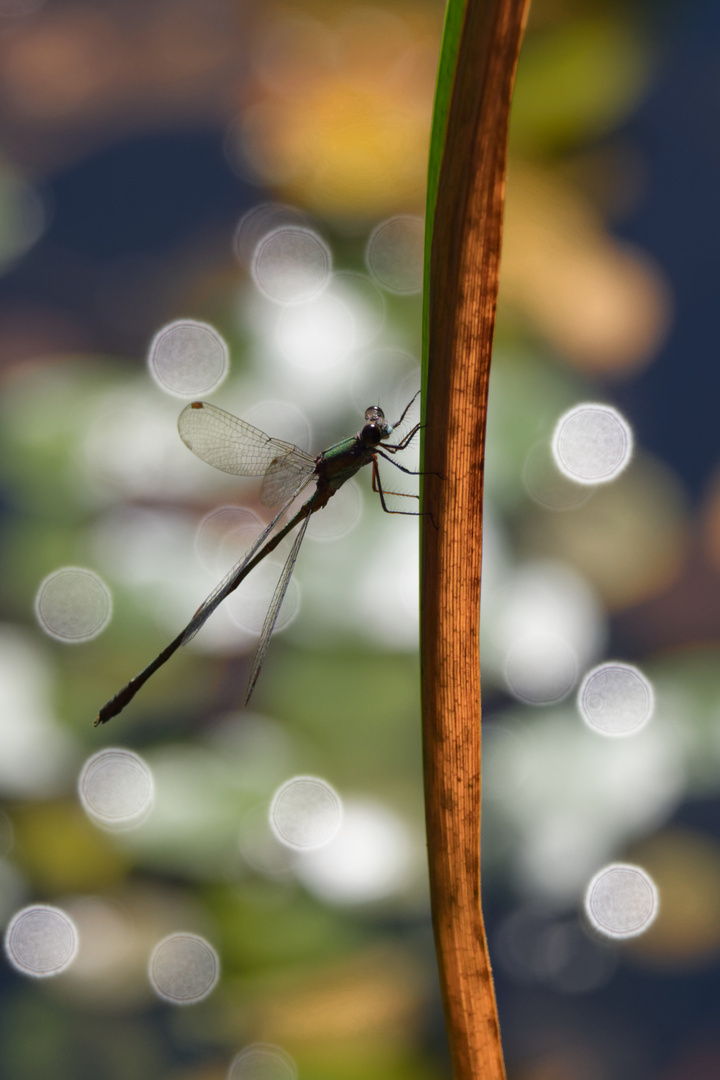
62 851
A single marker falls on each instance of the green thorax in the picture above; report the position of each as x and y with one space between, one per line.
341 461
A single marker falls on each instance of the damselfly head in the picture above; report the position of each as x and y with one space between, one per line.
376 426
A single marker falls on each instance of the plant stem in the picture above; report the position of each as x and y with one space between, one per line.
461 289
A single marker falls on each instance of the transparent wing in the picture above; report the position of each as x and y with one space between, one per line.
281 479
236 447
275 604
230 582
234 576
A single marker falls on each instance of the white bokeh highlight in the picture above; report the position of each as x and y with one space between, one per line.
39 754
262 1061
116 789
365 301
305 813
541 669
41 941
546 626
259 222
394 254
73 605
291 265
616 699
188 358
621 901
549 487
592 444
224 535
570 798
183 969
317 334
368 859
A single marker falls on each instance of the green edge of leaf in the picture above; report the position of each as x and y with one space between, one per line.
449 46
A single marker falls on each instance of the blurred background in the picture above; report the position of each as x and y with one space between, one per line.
222 199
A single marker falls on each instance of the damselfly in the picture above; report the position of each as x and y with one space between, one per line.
236 447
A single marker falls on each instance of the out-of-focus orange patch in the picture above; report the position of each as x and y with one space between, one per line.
123 62
64 62
350 137
604 305
376 995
